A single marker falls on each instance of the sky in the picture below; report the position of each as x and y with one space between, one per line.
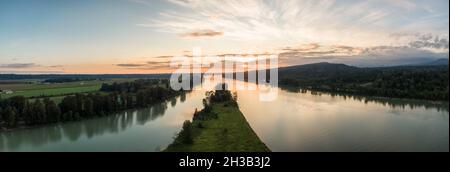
140 36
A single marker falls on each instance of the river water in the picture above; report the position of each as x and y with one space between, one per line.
295 121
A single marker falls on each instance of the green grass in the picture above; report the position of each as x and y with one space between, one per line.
55 91
230 132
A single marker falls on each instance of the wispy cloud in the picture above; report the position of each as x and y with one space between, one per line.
430 41
150 65
31 72
360 56
202 34
130 65
18 65
405 4
366 23
56 66
141 2
184 2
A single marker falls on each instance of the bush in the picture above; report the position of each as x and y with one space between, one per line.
200 125
185 135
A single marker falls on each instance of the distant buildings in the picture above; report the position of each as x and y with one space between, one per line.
6 91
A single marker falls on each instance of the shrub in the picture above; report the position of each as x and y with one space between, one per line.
185 135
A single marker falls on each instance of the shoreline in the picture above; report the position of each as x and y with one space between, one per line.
435 102
4 129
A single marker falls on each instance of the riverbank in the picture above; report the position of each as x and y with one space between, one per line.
228 131
356 95
19 112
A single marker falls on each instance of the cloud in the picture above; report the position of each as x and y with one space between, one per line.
304 47
317 51
359 56
28 68
142 2
353 22
404 4
202 34
130 65
158 63
31 72
417 48
429 41
56 66
183 2
434 42
163 57
150 65
18 65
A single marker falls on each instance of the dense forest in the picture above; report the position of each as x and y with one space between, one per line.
19 111
417 82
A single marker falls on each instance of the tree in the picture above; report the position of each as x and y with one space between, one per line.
20 103
1 115
140 98
39 111
129 100
53 111
89 107
207 106
185 135
68 104
11 117
119 96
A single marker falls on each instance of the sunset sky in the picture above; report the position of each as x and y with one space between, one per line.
139 36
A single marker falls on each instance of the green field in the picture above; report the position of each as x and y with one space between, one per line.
57 91
230 132
54 91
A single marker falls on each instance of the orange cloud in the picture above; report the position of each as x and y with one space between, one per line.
203 33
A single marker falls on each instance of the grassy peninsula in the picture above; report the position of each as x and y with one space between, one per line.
219 127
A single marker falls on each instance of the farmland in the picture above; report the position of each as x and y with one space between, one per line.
34 89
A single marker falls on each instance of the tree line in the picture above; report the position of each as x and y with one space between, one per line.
20 111
64 80
133 87
429 83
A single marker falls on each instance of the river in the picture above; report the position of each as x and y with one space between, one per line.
295 121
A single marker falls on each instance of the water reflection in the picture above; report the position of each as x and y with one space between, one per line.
183 98
391 102
301 120
150 114
173 102
154 126
298 120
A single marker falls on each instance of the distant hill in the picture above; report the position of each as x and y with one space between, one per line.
429 62
438 62
320 70
317 69
420 82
